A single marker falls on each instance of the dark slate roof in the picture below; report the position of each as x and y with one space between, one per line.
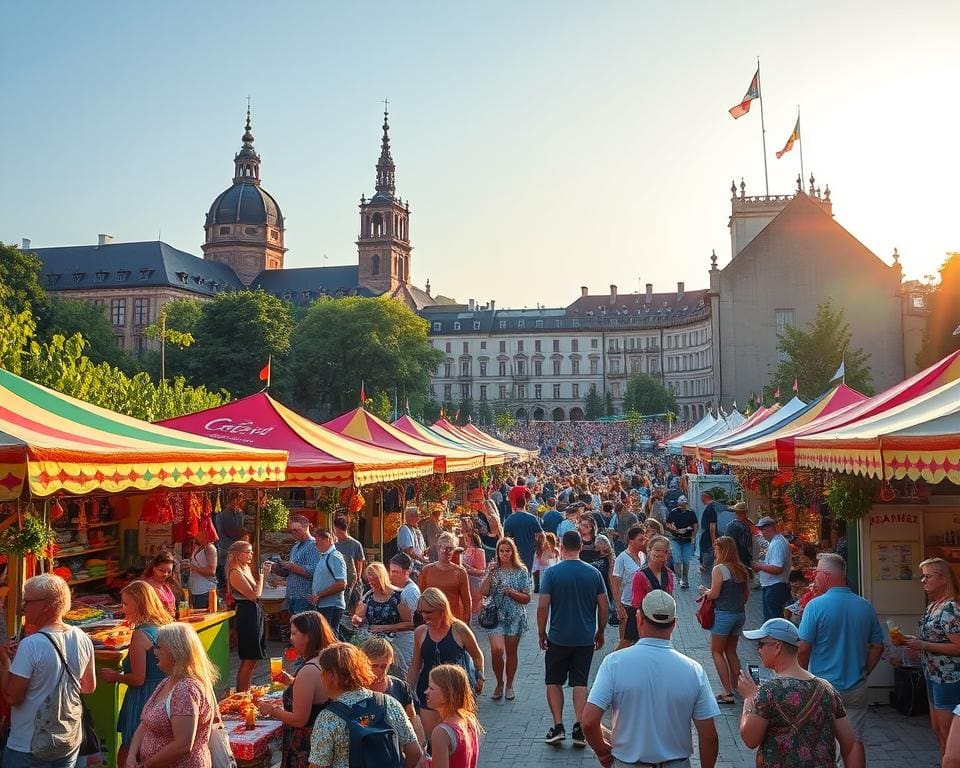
304 285
640 306
124 265
245 204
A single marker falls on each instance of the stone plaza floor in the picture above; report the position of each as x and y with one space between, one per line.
515 729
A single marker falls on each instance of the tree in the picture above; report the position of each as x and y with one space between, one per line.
484 414
504 421
593 404
70 316
234 335
466 410
174 327
811 356
939 339
648 396
20 274
608 409
634 421
343 342
430 411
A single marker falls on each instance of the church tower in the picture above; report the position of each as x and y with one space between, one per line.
384 243
244 226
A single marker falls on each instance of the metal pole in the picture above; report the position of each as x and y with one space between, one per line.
800 142
763 131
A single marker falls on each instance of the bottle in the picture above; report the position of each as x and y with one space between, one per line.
250 717
212 601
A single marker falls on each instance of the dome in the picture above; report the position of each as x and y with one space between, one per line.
245 204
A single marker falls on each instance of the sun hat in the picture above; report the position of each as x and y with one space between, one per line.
740 506
778 629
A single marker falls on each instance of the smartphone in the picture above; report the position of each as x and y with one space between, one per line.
754 671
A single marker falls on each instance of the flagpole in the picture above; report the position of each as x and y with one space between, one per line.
800 142
763 131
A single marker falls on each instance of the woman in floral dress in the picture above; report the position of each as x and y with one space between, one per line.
509 586
384 612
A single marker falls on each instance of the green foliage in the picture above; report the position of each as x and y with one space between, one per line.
70 316
647 396
850 496
20 275
174 328
380 405
274 516
812 356
484 413
608 409
719 494
33 536
466 410
504 421
341 342
593 404
430 411
938 339
234 335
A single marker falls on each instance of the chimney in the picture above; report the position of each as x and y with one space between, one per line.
472 304
679 291
493 305
104 240
649 292
583 290
25 244
613 294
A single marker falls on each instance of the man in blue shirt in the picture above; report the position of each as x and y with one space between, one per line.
574 596
524 527
551 518
329 581
840 639
303 560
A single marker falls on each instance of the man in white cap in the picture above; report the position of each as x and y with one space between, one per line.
641 683
774 571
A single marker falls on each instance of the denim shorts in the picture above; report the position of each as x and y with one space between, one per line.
728 622
944 695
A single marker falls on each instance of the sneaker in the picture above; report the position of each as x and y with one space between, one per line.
556 734
578 740
684 585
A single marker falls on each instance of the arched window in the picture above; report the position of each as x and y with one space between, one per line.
376 263
376 226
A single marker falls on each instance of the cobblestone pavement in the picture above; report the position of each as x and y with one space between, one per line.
515 729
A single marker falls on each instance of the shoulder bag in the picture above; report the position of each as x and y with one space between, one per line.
489 616
221 754
706 614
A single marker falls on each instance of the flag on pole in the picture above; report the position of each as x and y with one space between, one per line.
265 372
753 92
840 374
363 393
796 385
795 136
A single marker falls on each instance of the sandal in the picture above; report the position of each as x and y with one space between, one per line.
726 698
510 695
497 693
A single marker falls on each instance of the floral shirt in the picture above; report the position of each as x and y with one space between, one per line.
939 620
800 716
330 743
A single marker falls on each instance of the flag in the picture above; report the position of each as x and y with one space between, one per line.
753 92
776 395
265 373
363 393
795 136
796 385
841 373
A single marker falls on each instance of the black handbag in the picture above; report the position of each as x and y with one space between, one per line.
89 741
489 616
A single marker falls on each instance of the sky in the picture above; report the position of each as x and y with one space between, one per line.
541 145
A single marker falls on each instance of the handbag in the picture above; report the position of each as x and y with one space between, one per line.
706 613
56 731
221 754
488 617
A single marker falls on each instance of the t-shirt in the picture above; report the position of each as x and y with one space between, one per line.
682 518
403 641
574 587
352 550
36 661
410 537
624 567
839 625
518 497
523 528
551 520
330 568
708 516
743 537
778 553
724 518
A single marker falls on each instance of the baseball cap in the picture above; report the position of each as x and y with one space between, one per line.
659 607
778 629
682 500
763 522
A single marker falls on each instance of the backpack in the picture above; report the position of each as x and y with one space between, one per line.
373 742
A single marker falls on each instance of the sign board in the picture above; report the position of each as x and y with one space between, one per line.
154 538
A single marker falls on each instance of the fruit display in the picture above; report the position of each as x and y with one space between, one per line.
234 705
113 638
82 615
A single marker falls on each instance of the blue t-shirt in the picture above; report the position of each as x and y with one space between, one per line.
574 587
523 528
551 519
330 568
839 625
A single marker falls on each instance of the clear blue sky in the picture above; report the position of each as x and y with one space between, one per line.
542 145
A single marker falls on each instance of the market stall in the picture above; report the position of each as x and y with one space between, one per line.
409 425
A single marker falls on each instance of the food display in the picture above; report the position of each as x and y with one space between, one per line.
235 706
82 615
114 638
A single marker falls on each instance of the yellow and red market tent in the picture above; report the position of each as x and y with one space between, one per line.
50 442
360 424
473 431
448 428
318 456
411 426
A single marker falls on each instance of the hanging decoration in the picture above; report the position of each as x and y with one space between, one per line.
850 496
29 536
274 515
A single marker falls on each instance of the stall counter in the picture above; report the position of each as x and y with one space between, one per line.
104 703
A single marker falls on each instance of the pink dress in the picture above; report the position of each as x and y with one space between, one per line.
167 598
188 699
468 745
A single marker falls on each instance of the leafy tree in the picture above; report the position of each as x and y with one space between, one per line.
938 339
70 316
430 411
608 409
466 409
341 342
174 328
504 421
20 274
593 404
647 396
812 355
234 335
484 413
634 421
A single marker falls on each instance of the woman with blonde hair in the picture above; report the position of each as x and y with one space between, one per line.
244 589
144 612
382 607
508 585
381 655
161 574
455 741
442 639
729 589
174 731
449 577
939 644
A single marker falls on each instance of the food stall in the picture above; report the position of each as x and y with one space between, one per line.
73 479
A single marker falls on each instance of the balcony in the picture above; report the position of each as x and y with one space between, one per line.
520 376
465 377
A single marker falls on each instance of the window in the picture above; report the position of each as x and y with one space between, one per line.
447 392
503 323
141 311
536 345
466 347
447 370
436 327
145 274
537 391
464 392
521 391
538 368
556 391
556 345
102 277
447 347
139 345
520 324
502 392
456 326
574 345
538 323
483 391
464 367
483 345
476 325
575 390
575 367
594 343
503 368
123 275
615 365
118 311
520 346
375 264
503 347
594 367
615 388
556 367
249 230
78 276
784 317
224 230
483 369
521 368
121 341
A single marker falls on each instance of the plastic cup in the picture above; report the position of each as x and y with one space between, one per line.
276 668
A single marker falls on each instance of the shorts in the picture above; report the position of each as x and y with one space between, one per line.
631 631
943 695
728 622
568 664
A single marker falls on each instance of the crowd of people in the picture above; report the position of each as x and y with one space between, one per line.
589 438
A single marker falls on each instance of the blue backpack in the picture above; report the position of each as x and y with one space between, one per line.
373 742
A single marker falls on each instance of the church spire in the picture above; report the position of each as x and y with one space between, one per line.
247 162
386 170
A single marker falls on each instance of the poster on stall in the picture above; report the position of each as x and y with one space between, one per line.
154 538
896 560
